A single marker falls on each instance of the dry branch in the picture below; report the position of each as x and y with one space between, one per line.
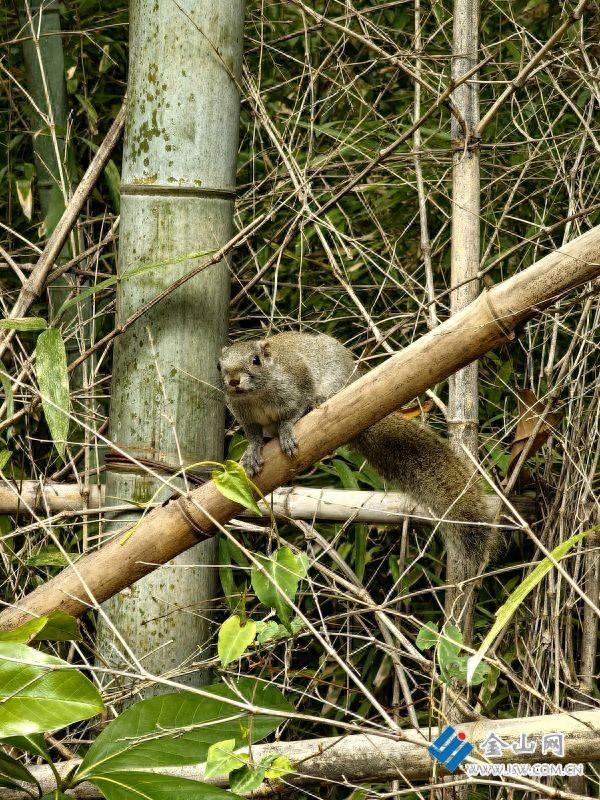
468 334
34 285
361 759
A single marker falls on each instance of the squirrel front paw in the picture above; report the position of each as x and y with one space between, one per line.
288 442
252 460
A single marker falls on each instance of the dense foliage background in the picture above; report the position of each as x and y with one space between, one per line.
322 96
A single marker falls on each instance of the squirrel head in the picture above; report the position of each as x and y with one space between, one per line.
245 367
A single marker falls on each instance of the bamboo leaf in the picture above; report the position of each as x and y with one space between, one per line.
53 381
507 610
23 324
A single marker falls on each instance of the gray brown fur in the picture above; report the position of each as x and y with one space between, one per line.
298 371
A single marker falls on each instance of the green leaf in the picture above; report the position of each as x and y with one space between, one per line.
230 589
4 458
506 611
56 206
149 733
247 779
49 556
221 759
13 769
39 692
57 627
8 398
234 484
284 570
113 184
427 636
23 324
234 639
24 633
34 744
277 766
53 382
153 786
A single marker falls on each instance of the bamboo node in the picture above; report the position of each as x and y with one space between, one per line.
507 332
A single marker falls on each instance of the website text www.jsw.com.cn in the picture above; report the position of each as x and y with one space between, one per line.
537 770
451 748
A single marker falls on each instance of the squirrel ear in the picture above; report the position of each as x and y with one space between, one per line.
266 349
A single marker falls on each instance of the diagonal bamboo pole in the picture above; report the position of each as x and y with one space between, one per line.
467 335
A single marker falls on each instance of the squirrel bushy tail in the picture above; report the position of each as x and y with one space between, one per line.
421 464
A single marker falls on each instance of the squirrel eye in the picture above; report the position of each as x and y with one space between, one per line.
219 366
256 361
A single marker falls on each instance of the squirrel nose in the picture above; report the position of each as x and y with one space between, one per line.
233 382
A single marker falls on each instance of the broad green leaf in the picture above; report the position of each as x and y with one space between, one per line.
234 484
34 743
13 769
23 324
284 570
39 692
247 779
234 638
53 382
57 627
506 611
153 786
221 759
24 633
4 458
148 734
427 636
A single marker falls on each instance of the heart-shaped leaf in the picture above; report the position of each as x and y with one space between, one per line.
234 638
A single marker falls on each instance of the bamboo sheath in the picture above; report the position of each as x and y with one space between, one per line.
467 335
362 758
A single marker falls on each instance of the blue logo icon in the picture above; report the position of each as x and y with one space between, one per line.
450 748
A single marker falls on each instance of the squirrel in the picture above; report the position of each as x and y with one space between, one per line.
271 383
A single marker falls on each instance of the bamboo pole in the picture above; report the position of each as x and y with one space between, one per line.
463 396
178 186
360 759
287 502
465 336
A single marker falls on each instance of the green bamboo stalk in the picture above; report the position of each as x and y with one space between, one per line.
178 178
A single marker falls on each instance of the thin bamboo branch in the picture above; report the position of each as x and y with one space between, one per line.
34 285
